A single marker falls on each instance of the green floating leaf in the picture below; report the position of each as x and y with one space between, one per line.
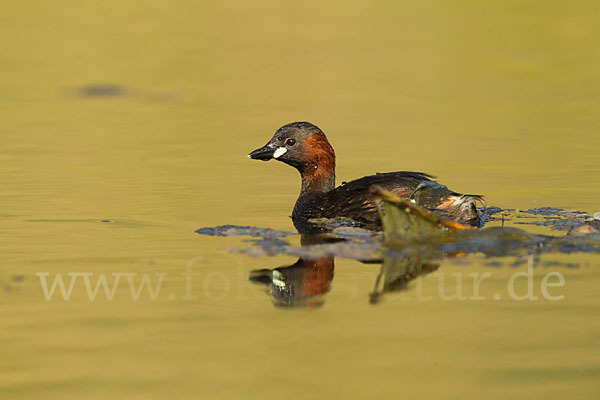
404 220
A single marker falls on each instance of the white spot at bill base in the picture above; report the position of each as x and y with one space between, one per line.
279 152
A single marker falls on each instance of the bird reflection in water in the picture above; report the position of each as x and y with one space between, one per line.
305 283
302 284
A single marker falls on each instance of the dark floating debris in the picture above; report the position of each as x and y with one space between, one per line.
111 90
492 210
236 230
551 211
559 219
102 90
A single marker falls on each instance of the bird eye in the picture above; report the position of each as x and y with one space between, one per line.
291 142
280 138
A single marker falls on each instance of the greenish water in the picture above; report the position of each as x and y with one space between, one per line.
499 99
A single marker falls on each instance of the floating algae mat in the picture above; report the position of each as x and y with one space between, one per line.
406 226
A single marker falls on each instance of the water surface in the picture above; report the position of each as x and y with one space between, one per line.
125 127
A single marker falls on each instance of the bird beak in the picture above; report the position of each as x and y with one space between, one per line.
265 153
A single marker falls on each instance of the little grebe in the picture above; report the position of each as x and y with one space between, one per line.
305 147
